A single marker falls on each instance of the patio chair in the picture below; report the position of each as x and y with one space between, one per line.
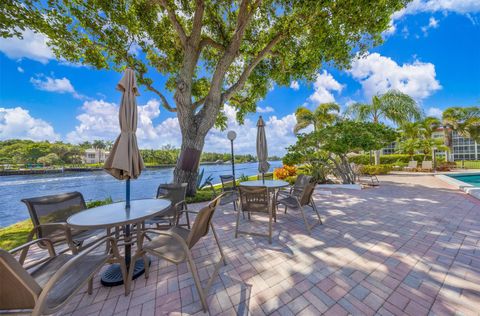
427 165
175 245
229 191
45 286
412 165
255 200
176 193
364 178
49 215
299 197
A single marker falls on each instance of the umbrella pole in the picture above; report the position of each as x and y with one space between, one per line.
127 194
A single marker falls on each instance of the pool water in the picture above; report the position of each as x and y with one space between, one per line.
472 179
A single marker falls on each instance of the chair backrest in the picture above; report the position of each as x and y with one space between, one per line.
412 164
202 222
174 192
53 209
254 199
303 188
227 182
18 290
427 164
307 192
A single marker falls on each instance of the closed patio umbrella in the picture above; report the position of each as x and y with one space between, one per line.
262 150
124 161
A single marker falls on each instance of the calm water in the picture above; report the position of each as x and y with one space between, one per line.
96 185
473 179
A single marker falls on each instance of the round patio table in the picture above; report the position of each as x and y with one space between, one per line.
114 215
271 185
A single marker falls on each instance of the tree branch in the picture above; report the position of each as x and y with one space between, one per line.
174 20
197 22
208 41
248 70
149 86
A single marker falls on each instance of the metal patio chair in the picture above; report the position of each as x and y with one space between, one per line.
175 192
49 215
255 200
45 286
175 245
229 191
299 197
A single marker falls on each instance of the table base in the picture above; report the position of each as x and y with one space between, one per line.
113 275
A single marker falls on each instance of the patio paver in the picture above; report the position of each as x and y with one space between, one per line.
408 247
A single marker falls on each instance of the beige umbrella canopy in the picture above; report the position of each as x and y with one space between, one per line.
124 161
262 150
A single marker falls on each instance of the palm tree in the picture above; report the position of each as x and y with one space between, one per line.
322 116
464 120
418 136
393 106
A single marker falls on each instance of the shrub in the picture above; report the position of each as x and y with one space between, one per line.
396 159
284 172
291 180
376 169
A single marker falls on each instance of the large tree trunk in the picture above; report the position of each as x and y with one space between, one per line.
186 170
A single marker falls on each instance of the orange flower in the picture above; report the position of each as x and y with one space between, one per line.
284 172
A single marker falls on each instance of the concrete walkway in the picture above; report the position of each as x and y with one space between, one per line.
408 247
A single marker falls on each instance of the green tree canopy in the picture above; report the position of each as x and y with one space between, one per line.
212 52
331 145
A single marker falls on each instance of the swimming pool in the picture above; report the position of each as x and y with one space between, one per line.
472 179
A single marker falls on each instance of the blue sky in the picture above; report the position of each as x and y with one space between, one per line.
432 52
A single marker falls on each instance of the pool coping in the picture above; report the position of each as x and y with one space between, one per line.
466 187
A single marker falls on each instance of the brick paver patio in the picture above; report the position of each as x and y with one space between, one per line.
408 247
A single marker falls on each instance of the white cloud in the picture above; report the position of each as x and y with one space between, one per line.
63 85
323 86
436 112
279 131
457 6
432 24
32 46
266 109
378 74
295 85
18 123
20 69
99 120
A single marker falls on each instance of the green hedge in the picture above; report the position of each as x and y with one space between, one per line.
376 170
387 159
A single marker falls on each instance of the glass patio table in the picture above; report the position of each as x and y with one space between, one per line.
114 215
271 185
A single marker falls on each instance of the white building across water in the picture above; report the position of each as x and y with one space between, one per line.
95 155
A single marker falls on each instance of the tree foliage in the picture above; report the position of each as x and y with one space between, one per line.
393 105
330 145
464 120
325 114
211 52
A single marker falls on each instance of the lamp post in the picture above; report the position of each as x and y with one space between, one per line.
231 135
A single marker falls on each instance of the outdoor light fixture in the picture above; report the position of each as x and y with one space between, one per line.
231 135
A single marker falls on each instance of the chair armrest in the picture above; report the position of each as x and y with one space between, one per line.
164 233
68 265
25 247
